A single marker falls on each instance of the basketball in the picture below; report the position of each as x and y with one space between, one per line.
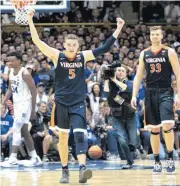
95 152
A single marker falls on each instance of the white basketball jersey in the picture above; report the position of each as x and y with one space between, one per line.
20 89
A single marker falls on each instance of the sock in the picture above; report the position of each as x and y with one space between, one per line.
65 167
170 155
156 158
33 154
13 155
82 166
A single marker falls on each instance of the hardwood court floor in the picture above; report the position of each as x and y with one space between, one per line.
104 174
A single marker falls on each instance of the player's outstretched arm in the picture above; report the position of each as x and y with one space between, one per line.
137 80
176 69
92 54
50 52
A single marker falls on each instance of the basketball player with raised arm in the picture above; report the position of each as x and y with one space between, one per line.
159 62
70 93
23 91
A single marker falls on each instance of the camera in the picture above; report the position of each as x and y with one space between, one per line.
107 71
100 130
46 118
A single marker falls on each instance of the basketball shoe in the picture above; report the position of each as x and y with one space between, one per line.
157 168
32 162
65 176
11 162
84 175
170 166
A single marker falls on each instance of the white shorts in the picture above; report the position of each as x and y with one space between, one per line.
22 111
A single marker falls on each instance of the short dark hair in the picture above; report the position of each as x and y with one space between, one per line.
16 54
44 59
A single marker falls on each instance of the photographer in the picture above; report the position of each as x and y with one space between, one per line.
39 131
119 89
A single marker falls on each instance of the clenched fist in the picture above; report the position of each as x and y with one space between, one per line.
30 13
120 23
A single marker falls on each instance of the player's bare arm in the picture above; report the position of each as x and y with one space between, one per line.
52 53
176 69
137 80
92 54
4 76
8 94
29 80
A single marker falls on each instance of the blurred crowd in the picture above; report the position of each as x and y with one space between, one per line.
126 49
100 11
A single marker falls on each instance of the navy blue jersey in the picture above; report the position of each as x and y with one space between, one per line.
70 80
158 68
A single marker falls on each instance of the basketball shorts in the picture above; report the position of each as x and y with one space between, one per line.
22 112
159 106
71 116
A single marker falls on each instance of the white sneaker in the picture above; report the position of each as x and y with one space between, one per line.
45 159
11 162
32 162
113 157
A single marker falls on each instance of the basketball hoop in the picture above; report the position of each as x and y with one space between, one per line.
21 8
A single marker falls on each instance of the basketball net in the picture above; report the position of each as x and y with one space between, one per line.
21 8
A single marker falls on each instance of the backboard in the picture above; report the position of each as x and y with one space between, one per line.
41 6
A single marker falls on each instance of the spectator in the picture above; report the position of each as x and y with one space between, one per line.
39 132
9 104
112 144
72 13
95 99
78 17
93 4
95 16
46 76
89 72
6 122
153 12
172 13
110 15
5 48
33 73
41 96
98 126
25 58
3 77
124 121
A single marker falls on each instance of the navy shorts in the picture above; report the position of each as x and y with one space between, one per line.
71 116
159 106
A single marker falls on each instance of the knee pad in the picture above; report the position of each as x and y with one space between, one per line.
81 143
154 133
16 137
168 131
